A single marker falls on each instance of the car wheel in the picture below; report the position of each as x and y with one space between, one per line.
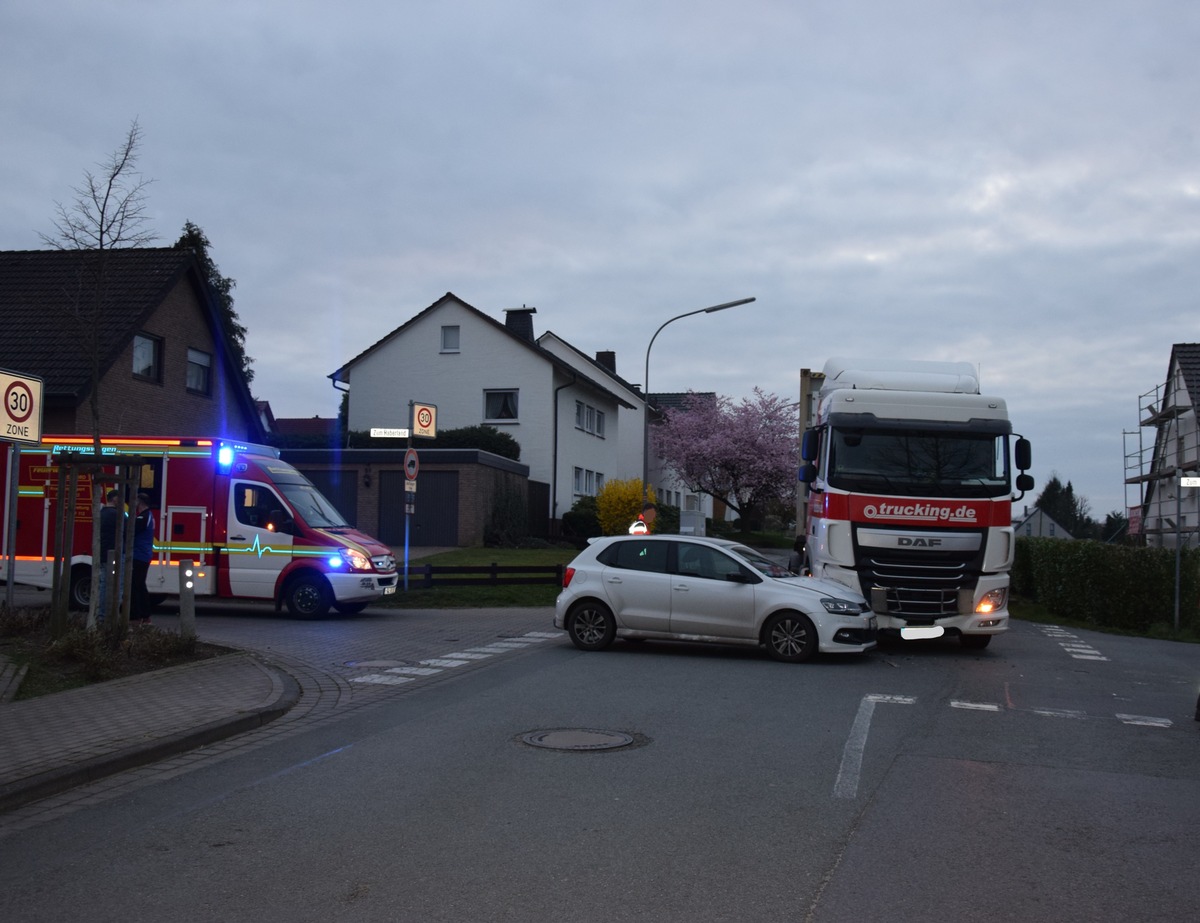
975 642
790 637
591 626
350 608
80 592
308 597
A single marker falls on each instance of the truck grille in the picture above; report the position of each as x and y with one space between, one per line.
919 586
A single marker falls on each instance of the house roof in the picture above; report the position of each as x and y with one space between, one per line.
343 373
43 291
40 294
1188 357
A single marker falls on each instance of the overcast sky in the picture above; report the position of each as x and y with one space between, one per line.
1013 183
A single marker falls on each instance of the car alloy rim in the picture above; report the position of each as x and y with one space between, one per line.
789 637
589 626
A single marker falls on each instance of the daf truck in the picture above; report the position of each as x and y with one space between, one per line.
910 475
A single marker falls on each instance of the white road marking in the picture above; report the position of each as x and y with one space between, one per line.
381 680
846 785
414 671
463 655
443 662
1144 721
976 706
1058 713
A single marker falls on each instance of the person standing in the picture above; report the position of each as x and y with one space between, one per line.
143 551
645 520
110 534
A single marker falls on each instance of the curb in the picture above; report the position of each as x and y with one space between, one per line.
56 781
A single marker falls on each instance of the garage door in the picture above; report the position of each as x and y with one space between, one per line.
435 521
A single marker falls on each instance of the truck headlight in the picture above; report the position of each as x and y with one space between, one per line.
841 606
991 601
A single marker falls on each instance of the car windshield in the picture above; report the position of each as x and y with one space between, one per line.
762 564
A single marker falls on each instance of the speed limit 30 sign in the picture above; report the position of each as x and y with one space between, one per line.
22 415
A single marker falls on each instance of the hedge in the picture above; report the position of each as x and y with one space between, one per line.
1111 586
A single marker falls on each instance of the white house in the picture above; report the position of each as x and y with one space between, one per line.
1038 524
1168 509
577 423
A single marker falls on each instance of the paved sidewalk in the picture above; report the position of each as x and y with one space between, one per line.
56 742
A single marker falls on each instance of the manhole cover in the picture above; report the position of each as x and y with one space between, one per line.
578 739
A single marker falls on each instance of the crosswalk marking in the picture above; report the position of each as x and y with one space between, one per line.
395 676
977 706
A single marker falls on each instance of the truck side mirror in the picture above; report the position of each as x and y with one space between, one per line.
808 473
1024 482
1024 456
809 444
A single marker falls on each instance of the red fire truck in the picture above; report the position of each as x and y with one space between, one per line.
254 526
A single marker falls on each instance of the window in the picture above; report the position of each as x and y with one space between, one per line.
147 357
588 483
636 554
589 419
500 406
199 372
450 339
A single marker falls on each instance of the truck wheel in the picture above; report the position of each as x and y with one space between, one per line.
790 637
308 597
80 593
975 642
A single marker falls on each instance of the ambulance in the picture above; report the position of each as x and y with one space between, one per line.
253 526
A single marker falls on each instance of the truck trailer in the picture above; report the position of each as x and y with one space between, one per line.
253 526
910 492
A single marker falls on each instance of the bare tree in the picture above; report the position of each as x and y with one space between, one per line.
108 213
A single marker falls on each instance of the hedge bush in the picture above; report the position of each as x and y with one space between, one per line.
1111 586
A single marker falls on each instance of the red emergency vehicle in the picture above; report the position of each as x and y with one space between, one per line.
254 526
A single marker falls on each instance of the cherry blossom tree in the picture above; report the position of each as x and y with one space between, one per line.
745 454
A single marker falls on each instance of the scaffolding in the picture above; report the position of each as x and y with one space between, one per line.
1158 455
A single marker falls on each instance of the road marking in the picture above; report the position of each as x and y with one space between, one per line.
848 775
431 667
1144 721
380 680
1058 713
976 706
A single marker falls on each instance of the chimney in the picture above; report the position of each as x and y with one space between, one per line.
607 359
520 321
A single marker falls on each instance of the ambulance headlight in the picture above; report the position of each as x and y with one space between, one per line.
354 559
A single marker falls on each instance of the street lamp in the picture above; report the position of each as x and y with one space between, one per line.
646 385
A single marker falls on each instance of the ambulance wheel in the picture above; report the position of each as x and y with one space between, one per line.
350 608
308 597
81 587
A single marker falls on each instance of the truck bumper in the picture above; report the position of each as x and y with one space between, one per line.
991 623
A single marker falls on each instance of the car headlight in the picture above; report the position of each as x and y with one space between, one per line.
841 606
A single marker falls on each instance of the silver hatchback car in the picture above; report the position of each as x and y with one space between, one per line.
684 588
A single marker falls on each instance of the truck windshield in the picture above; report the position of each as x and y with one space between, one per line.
312 506
919 464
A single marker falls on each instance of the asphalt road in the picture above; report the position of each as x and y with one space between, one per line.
1053 776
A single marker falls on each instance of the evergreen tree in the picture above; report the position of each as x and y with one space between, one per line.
222 286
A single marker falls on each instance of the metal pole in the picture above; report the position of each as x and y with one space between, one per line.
646 385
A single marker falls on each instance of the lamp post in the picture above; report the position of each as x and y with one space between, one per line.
646 385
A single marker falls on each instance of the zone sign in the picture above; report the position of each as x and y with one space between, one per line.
22 416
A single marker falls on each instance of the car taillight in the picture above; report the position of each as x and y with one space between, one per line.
567 575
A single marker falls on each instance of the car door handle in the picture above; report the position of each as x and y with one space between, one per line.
682 587
237 538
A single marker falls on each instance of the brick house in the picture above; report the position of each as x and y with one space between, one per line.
147 318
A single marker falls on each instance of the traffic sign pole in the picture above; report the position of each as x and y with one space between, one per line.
20 424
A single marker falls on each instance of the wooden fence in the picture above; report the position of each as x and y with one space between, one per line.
426 576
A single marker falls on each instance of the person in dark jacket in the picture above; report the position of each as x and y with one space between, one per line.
143 551
110 535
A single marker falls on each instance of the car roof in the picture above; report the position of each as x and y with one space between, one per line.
666 536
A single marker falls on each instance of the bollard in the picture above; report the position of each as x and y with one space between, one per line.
187 599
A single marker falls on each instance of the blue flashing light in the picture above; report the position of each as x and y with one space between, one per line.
224 458
336 560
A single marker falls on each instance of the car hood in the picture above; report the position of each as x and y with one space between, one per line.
822 586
